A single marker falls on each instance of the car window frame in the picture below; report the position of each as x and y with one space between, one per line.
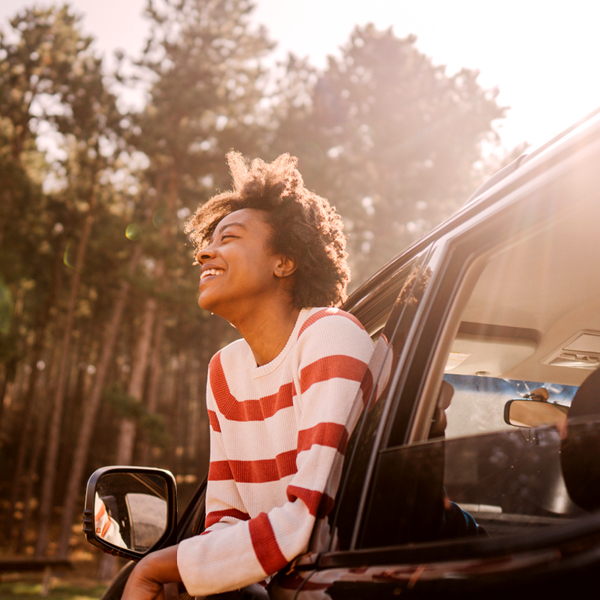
396 317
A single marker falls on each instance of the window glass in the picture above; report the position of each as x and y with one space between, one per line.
531 326
478 402
491 485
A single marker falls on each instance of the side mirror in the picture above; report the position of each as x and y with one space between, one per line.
534 413
130 511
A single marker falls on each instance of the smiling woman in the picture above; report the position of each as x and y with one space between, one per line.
303 226
282 401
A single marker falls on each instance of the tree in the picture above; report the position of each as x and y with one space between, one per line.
389 138
51 79
204 62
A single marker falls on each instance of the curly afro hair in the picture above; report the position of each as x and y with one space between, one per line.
305 227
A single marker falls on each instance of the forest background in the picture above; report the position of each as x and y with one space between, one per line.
103 349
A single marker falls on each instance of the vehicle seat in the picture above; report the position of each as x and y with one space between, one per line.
439 421
580 446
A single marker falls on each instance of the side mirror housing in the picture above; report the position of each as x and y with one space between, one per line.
130 511
534 413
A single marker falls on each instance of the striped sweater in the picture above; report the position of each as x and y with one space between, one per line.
277 431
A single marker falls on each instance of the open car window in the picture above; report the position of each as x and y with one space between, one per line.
530 327
525 334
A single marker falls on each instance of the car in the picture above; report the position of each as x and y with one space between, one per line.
474 469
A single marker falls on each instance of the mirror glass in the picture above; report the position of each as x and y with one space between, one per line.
532 413
131 510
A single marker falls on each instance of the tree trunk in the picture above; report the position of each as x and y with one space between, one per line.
34 399
47 493
155 383
32 406
203 454
10 372
181 412
136 382
73 492
142 352
108 564
47 381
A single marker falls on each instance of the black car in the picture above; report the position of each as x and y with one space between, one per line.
474 470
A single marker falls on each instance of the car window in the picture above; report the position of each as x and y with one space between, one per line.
526 329
387 315
478 403
530 324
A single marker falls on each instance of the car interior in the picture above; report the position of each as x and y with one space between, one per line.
529 333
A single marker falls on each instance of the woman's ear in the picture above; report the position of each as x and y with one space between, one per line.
285 267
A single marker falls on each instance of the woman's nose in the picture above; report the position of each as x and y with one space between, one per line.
204 254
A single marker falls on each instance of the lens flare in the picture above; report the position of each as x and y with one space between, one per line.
68 255
158 218
133 232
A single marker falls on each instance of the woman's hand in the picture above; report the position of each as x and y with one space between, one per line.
147 578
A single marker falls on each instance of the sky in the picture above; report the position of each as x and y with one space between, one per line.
542 55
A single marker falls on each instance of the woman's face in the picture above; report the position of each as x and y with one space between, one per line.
238 269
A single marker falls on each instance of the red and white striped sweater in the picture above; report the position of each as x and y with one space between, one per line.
277 432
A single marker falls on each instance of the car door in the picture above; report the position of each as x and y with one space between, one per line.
502 303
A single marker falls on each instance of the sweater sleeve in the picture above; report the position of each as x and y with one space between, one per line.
330 361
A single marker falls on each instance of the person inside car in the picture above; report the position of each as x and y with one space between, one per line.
281 400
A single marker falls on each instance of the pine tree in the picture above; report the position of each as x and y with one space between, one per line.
389 138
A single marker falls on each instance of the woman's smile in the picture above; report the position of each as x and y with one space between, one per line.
210 272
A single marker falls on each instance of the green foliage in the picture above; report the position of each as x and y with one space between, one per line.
389 138
125 405
128 407
204 61
155 430
22 590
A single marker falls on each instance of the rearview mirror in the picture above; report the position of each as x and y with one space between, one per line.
130 511
534 413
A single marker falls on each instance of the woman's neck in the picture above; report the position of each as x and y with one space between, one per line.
268 331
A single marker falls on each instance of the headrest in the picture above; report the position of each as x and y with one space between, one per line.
580 447
445 396
586 401
438 425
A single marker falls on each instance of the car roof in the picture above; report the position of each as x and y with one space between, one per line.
493 191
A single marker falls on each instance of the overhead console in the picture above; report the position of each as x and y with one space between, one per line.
581 351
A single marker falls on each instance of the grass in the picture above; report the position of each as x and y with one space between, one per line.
21 590
79 583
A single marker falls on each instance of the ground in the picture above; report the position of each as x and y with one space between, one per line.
61 588
79 583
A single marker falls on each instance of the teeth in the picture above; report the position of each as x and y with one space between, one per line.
211 272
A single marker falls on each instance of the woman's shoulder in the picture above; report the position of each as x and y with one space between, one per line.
325 319
332 336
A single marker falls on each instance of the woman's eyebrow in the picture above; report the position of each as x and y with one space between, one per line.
234 224
226 226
